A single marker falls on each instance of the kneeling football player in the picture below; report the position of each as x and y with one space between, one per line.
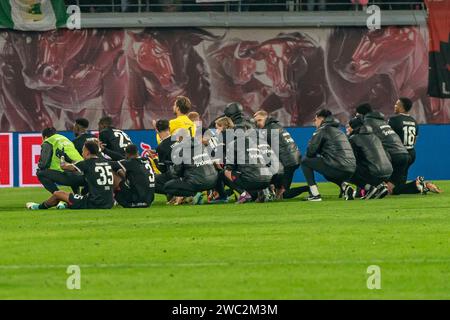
246 171
193 173
137 188
99 178
373 166
329 153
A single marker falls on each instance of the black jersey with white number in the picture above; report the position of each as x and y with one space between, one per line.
140 177
99 177
164 151
115 142
407 129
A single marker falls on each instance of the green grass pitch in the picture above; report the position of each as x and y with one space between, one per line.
284 250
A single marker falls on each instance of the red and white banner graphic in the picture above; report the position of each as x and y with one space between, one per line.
29 153
6 160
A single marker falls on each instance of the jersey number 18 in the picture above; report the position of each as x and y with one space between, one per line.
409 136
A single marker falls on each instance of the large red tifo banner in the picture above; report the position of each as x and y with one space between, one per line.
51 78
439 59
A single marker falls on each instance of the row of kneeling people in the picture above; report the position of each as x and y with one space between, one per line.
256 158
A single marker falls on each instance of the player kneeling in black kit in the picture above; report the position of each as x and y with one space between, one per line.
373 166
193 171
163 155
246 170
288 153
407 129
113 141
394 147
99 178
137 187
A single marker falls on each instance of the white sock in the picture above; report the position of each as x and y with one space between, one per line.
314 190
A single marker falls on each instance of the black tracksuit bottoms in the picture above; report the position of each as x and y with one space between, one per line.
400 164
363 177
181 187
50 179
240 184
285 180
410 187
161 180
309 165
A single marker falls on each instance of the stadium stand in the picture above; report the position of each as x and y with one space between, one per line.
240 6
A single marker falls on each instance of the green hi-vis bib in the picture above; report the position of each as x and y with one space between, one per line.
60 143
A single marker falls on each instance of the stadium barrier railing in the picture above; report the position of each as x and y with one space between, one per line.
115 6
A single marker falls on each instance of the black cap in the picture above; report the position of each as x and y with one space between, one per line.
233 108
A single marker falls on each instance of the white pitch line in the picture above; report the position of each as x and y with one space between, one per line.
223 264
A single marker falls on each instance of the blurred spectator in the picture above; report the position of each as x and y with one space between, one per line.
169 5
316 5
85 6
94 6
124 5
273 5
128 5
360 3
397 5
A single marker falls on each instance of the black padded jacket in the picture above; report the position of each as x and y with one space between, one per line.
390 140
193 164
330 143
369 152
289 153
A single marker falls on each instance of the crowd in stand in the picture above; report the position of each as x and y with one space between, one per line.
244 5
